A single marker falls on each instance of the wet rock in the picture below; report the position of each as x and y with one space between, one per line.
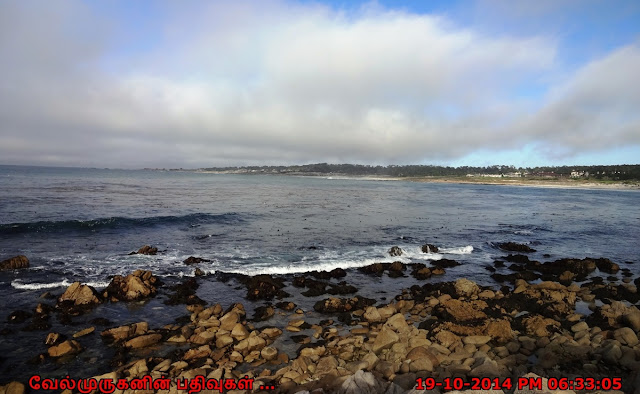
334 273
341 288
608 266
185 293
135 286
373 269
263 313
195 260
18 316
445 263
264 287
84 332
395 251
65 348
333 305
14 263
147 250
287 306
515 247
428 248
53 338
196 353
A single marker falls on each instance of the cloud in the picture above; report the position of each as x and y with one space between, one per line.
239 83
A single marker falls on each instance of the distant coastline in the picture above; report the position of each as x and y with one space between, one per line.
563 183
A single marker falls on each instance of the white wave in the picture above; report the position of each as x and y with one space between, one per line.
16 284
461 250
523 232
302 268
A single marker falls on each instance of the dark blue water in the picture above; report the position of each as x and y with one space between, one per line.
80 225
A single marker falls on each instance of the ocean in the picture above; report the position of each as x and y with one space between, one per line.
81 224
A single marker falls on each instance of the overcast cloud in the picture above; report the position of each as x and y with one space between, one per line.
243 83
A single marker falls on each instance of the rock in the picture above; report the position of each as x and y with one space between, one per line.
446 338
196 353
428 248
143 341
122 333
632 319
582 326
239 332
476 340
515 247
203 337
385 339
464 311
398 323
65 348
195 260
264 287
135 286
333 305
14 263
395 251
269 353
373 269
185 293
223 341
445 263
84 332
626 336
229 320
466 288
52 338
13 388
263 313
147 250
540 326
79 295
608 266
198 272
372 315
361 383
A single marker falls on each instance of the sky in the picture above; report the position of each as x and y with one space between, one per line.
193 84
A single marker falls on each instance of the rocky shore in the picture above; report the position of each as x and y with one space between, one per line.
562 319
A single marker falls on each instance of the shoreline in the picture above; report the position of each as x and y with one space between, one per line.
315 331
520 182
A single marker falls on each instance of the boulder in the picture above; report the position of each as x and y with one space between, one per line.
195 260
143 341
147 250
13 388
466 288
540 326
79 295
428 248
14 263
122 333
515 247
135 286
65 348
385 339
361 383
395 251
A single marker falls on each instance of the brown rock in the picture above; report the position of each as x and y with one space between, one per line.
79 295
84 332
13 388
135 286
385 339
52 338
146 249
269 353
196 353
14 263
465 311
466 288
540 326
65 348
143 341
125 332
